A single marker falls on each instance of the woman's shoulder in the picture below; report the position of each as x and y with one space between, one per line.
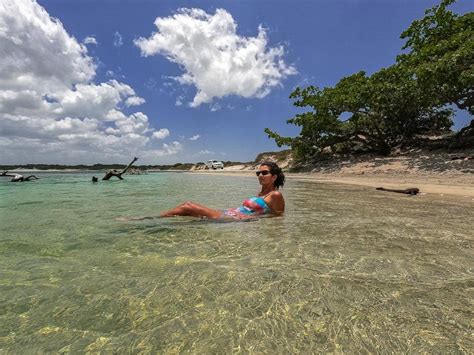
276 202
275 195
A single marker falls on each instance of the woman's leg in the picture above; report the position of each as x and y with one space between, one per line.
192 209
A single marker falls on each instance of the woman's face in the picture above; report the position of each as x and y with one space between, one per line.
264 175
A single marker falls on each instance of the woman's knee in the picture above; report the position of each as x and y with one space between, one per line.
189 204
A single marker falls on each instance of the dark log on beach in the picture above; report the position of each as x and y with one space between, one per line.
18 177
119 174
411 191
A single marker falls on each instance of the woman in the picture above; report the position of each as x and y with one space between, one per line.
268 201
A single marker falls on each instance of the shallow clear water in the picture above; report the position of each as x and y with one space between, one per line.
347 269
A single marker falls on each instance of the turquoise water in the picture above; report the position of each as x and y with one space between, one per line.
347 269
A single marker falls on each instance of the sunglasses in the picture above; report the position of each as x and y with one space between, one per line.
263 172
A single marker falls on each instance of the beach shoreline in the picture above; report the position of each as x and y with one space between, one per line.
437 174
447 183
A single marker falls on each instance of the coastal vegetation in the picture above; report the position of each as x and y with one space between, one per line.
280 156
397 106
95 167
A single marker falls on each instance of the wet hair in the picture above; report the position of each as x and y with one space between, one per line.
275 170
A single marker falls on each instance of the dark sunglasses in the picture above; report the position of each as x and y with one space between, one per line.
263 172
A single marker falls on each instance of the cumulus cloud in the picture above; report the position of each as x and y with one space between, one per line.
35 46
134 101
136 123
216 60
196 137
90 40
93 100
173 148
166 150
161 134
50 108
118 40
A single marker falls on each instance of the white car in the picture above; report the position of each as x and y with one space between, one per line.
214 164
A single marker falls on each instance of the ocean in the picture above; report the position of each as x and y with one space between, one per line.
347 269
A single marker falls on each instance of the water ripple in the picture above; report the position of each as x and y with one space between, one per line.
344 271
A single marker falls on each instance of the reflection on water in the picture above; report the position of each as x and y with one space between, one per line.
347 269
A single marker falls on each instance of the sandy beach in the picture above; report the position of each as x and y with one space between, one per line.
441 176
449 184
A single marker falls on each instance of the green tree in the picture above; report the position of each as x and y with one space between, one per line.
441 55
394 105
363 113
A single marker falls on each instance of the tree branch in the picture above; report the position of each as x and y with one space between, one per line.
119 174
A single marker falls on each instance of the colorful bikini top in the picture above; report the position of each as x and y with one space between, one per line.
254 205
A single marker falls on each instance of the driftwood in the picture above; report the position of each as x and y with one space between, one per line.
18 177
116 173
411 191
463 157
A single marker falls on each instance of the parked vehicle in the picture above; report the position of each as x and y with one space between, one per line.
214 164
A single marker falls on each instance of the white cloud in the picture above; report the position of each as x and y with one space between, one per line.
90 40
136 123
50 108
216 60
166 150
172 148
91 100
134 101
118 40
35 46
193 138
161 134
215 107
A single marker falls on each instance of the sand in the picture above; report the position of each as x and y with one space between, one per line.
443 177
449 185
437 174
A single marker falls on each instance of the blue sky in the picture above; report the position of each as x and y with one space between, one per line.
99 87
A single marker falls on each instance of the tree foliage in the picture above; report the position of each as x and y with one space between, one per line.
389 108
441 55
